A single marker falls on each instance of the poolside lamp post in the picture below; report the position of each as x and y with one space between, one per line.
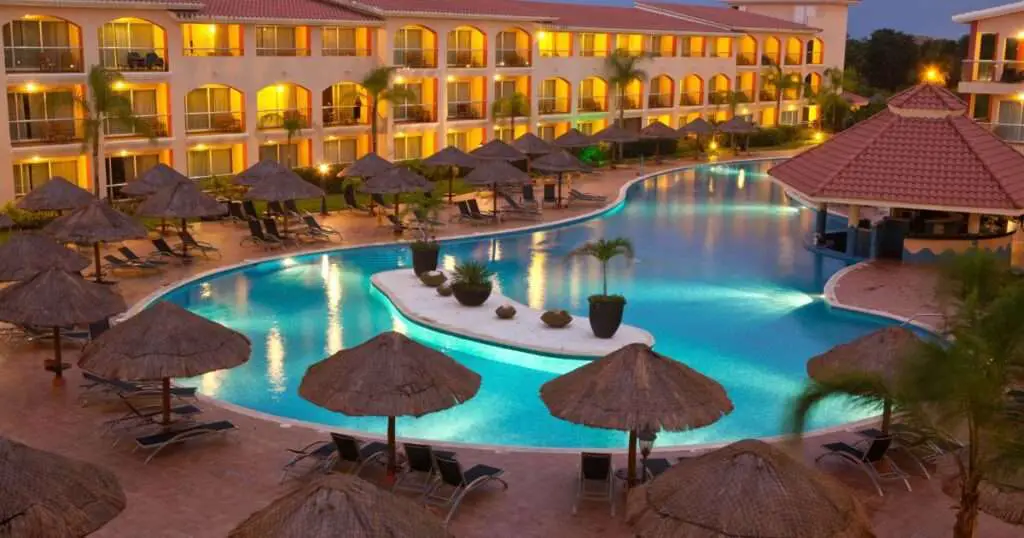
323 170
646 439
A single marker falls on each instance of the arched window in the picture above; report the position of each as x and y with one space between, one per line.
416 47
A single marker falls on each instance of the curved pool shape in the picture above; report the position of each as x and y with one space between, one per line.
720 278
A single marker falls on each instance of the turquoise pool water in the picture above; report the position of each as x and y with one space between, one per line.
721 279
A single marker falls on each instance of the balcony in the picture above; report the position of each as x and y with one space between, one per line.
345 51
792 58
414 113
46 131
770 59
659 100
213 122
344 116
1010 72
593 104
629 102
471 110
475 58
130 59
1013 133
552 105
767 95
214 51
555 53
512 58
279 119
593 53
718 98
746 59
416 58
43 59
745 95
149 125
694 98
282 51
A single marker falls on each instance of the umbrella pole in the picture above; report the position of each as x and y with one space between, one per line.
184 245
391 448
559 189
166 403
398 202
495 201
451 185
631 468
58 364
96 259
886 415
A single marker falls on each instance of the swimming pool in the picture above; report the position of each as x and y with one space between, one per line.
720 279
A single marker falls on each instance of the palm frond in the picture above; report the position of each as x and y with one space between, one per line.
605 249
862 390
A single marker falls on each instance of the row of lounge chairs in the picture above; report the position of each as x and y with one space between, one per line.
159 257
265 233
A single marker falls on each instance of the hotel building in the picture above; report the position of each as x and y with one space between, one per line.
218 79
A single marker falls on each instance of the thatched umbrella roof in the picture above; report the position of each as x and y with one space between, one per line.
156 178
262 170
659 131
497 150
284 185
559 161
54 298
573 138
497 173
6 221
57 194
338 505
180 201
396 181
43 494
737 125
748 488
699 126
531 144
614 133
95 223
880 353
452 156
24 255
636 389
368 165
1003 501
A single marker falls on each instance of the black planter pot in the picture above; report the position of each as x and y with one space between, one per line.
424 260
605 316
471 296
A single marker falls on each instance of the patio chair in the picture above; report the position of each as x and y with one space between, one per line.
159 441
275 208
314 457
249 209
128 389
291 208
459 483
474 208
131 256
596 480
235 212
113 262
139 416
656 466
420 472
550 195
585 197
135 60
259 238
270 225
164 249
154 61
516 209
202 246
45 334
319 229
528 195
868 460
358 455
350 199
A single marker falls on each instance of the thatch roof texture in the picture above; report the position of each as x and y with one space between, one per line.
180 201
451 156
157 178
659 131
162 341
367 166
260 171
748 488
279 187
559 161
498 150
573 138
531 144
43 494
882 353
737 125
497 173
6 221
57 194
699 126
25 255
95 223
636 389
341 505
396 181
614 133
55 298
389 375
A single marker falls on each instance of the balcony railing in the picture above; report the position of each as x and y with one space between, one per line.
512 58
276 119
746 58
814 58
467 58
467 110
416 58
149 125
1010 72
659 100
552 105
718 98
47 131
792 59
132 59
770 59
593 53
555 53
44 59
767 95
720 53
414 113
1009 132
745 95
340 115
593 104
214 122
215 51
629 102
282 51
691 99
344 51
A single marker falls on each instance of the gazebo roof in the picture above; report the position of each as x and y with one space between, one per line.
922 152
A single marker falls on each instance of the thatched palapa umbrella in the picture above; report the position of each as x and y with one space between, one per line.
27 254
698 127
367 166
560 162
43 494
388 376
613 134
532 146
881 353
748 488
57 194
180 201
258 172
341 504
635 389
94 224
155 179
737 126
396 181
55 299
495 174
573 139
496 150
6 222
455 158
658 131
282 186
161 342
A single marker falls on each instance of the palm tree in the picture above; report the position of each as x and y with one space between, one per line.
777 78
604 250
958 384
622 69
511 107
377 84
101 106
292 122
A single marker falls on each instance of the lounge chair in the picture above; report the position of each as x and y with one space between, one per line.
275 208
131 256
270 225
249 209
165 250
528 195
358 455
596 479
113 262
159 441
235 212
585 197
259 238
317 229
868 460
474 208
918 445
202 246
516 209
396 223
128 389
148 415
420 472
45 334
317 456
550 195
350 199
459 483
379 200
291 208
657 466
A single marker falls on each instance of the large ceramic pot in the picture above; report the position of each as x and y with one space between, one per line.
471 295
606 314
424 258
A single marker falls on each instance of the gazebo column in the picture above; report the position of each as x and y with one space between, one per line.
822 222
853 217
974 224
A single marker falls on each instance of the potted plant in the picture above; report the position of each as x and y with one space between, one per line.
425 249
471 283
606 310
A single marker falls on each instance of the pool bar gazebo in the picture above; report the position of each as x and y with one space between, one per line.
931 181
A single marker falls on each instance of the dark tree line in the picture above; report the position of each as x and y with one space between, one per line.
889 60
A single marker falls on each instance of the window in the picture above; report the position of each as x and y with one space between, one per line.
28 176
721 47
203 163
212 39
790 117
803 14
128 44
593 46
410 49
586 127
209 109
982 104
554 44
42 116
121 170
504 88
42 45
340 151
341 42
693 47
459 140
546 132
1010 122
504 134
286 154
411 109
279 41
143 102
408 147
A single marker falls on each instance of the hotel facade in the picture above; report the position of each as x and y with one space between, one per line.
218 81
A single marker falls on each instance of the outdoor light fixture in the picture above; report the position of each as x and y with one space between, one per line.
646 440
713 145
119 85
323 168
933 75
31 87
819 136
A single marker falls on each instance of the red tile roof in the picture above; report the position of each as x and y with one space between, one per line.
313 10
617 17
733 19
927 97
499 8
914 157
